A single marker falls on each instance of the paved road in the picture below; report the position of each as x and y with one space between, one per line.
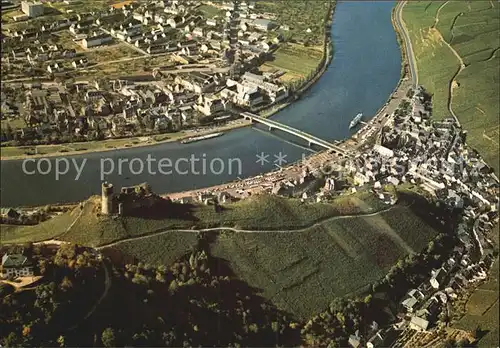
28 80
406 37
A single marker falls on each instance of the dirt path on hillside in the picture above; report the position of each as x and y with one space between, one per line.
436 19
107 286
453 83
236 230
490 139
493 54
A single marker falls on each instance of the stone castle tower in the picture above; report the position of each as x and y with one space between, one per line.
107 199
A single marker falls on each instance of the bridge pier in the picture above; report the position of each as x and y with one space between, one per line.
271 128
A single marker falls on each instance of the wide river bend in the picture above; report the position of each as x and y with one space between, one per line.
364 71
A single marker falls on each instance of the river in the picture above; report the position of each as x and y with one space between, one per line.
364 71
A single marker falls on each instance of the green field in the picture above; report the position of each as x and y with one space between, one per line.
482 309
211 11
335 258
296 60
264 212
472 29
46 230
256 213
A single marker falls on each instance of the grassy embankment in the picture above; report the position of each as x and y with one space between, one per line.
256 213
311 248
472 30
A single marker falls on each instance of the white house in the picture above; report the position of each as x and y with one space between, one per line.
418 324
16 265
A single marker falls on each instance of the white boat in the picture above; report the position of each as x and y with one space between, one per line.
201 137
356 120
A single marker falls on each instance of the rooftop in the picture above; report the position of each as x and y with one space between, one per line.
14 260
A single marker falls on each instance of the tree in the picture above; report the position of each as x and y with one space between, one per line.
10 340
60 340
9 134
66 284
108 337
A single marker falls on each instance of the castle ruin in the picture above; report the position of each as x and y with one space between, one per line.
128 199
107 198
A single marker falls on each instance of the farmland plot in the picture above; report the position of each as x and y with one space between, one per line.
335 258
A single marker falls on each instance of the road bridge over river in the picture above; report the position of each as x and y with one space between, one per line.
311 139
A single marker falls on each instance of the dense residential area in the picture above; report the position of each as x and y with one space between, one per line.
414 157
199 63
386 235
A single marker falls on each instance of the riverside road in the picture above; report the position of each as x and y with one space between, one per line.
364 71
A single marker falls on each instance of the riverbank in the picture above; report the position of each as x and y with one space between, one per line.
113 144
351 84
44 151
364 135
260 183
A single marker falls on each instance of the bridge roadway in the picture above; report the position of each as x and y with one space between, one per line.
311 139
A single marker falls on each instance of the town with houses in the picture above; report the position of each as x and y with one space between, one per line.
223 54
413 150
209 71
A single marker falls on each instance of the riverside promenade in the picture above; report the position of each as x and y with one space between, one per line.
315 162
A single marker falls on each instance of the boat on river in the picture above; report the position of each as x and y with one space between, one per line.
356 120
201 137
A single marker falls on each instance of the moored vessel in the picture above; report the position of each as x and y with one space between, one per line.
201 137
356 120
